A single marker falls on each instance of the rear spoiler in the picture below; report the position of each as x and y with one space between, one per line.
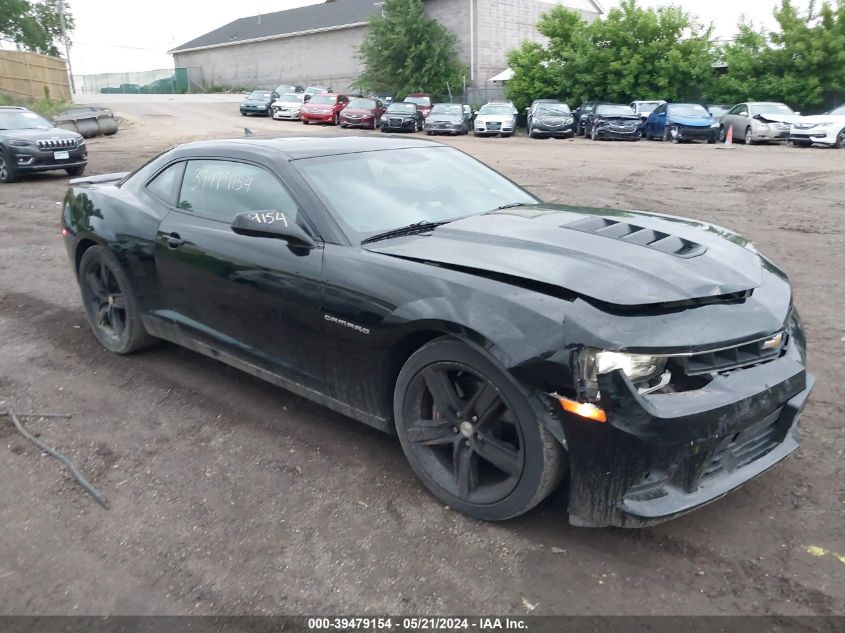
95 180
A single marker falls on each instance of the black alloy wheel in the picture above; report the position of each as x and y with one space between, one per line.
109 303
470 435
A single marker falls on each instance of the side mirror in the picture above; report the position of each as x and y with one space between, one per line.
273 224
797 114
475 112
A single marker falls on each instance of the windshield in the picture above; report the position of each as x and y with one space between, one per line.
362 104
613 110
373 192
771 108
324 99
22 120
447 108
313 90
688 109
717 110
293 98
406 108
496 109
648 106
553 109
421 101
839 111
260 94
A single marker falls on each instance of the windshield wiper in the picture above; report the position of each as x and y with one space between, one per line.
423 226
510 205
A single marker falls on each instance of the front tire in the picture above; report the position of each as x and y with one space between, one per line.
75 171
110 303
840 139
470 434
749 139
8 172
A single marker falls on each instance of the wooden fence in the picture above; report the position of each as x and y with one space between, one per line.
31 75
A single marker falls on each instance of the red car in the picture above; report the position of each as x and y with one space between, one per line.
362 112
422 100
324 108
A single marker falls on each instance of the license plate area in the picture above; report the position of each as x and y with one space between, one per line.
61 155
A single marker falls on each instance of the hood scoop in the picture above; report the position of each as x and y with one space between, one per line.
633 234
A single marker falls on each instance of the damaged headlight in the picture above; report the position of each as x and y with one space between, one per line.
639 368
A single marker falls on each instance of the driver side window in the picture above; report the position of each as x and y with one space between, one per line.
222 189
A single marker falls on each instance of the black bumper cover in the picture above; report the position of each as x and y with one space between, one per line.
660 456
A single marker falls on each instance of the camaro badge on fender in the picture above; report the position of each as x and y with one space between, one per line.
351 326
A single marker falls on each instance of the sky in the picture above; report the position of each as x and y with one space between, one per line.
135 35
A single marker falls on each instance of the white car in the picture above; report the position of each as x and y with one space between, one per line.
644 108
495 118
287 106
825 129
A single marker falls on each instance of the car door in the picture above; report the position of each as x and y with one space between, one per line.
738 118
657 120
254 297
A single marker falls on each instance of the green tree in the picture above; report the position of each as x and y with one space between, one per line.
33 25
407 51
633 53
802 62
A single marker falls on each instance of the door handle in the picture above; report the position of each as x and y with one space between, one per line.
174 241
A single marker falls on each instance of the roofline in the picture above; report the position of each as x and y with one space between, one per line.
278 36
598 6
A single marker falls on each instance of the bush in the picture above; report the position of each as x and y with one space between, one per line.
45 107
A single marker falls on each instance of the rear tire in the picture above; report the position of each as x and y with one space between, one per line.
470 434
110 304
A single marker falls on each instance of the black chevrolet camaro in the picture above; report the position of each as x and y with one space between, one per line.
647 364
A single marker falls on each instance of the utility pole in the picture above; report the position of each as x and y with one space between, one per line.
67 44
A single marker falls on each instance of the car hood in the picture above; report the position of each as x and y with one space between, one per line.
446 118
821 118
359 111
288 104
619 117
40 134
254 102
484 118
577 250
778 118
317 107
692 121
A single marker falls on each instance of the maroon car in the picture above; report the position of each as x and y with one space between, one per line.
422 100
362 112
323 108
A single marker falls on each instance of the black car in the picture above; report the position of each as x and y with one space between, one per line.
550 120
402 116
581 113
651 363
449 118
615 122
259 102
29 143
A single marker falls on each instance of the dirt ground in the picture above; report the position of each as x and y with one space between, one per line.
229 495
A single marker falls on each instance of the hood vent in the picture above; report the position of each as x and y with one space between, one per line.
671 244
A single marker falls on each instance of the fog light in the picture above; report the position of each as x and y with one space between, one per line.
583 409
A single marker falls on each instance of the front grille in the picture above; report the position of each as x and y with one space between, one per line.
494 126
731 358
395 122
60 143
740 449
634 234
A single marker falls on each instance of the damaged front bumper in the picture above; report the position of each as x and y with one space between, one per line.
661 455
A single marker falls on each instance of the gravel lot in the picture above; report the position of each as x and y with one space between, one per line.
231 496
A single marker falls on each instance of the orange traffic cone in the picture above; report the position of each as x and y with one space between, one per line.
729 139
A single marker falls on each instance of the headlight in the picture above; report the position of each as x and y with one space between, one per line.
761 125
716 124
21 143
637 367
